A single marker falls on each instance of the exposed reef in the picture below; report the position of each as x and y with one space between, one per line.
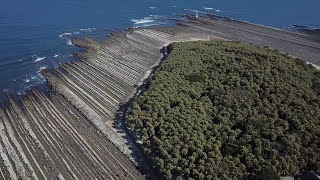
303 46
74 132
47 138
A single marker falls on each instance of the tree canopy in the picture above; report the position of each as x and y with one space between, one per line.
227 110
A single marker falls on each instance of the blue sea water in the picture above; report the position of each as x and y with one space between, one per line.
35 34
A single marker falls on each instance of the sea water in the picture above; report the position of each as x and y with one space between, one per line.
35 34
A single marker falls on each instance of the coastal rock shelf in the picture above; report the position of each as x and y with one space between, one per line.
108 74
75 132
47 138
71 134
303 46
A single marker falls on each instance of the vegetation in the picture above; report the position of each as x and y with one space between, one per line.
225 110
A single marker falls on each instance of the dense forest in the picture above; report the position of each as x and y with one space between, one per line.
228 110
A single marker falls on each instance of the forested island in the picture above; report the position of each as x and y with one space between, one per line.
228 110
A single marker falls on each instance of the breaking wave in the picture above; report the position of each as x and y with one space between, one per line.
69 43
208 8
39 59
151 20
65 34
87 29
56 55
212 9
42 68
143 21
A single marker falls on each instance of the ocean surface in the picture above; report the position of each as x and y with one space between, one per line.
35 34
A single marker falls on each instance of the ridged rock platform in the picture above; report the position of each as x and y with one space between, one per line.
74 132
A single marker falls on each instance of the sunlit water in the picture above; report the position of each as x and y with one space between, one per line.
35 34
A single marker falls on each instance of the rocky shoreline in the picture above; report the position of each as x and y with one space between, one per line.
78 131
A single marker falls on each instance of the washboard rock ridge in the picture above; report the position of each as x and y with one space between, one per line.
70 134
73 133
109 73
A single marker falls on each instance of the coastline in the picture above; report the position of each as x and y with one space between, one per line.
316 66
90 97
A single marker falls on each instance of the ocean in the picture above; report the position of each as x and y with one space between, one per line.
36 34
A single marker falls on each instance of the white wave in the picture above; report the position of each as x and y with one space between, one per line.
197 12
217 10
152 24
143 21
152 7
39 59
42 67
33 77
27 80
65 34
156 16
87 29
19 60
69 43
208 8
22 92
76 32
56 55
151 20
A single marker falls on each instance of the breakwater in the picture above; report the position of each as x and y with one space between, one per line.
73 133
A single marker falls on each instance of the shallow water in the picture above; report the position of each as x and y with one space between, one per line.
35 34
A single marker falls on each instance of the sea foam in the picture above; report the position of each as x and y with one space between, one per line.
143 21
69 43
208 8
39 59
42 67
87 29
56 55
151 20
65 34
